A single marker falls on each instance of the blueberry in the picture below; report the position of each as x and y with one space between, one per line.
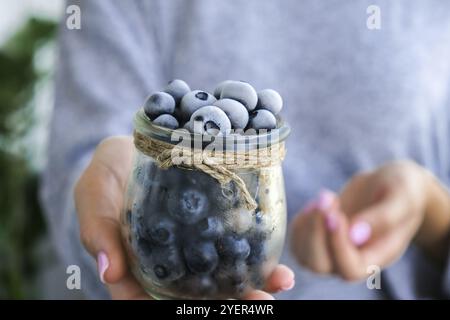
177 89
166 120
161 230
171 177
139 227
257 245
242 92
240 220
262 119
199 286
156 195
165 264
233 248
201 257
232 279
188 205
193 101
258 281
259 217
187 126
270 100
236 273
219 88
210 228
235 111
144 248
210 120
225 197
159 103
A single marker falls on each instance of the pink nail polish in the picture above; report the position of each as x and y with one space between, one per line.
360 232
289 286
325 200
102 264
331 220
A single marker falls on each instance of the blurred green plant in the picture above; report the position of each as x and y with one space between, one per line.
21 222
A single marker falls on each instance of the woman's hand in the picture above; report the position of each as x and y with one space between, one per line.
99 201
371 222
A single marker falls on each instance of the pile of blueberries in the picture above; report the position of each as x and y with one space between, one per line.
185 241
235 105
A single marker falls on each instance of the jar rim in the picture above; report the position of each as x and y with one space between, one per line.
143 125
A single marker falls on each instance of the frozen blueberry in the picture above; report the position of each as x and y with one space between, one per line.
159 103
144 248
219 88
210 228
210 120
177 89
139 226
161 230
187 126
193 101
166 120
257 245
259 217
262 119
240 220
165 264
257 279
233 248
270 100
232 279
156 194
198 286
235 111
188 205
225 197
242 92
201 257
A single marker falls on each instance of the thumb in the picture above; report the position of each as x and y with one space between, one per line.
98 199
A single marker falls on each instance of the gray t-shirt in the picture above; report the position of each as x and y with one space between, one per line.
355 98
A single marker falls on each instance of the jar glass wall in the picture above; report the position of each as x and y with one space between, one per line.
190 237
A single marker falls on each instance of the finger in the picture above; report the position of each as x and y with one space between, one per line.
258 295
98 203
127 289
379 218
281 279
346 259
308 242
384 251
353 195
326 200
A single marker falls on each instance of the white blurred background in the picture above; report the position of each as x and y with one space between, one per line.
13 13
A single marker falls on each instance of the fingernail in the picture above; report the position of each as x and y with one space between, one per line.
331 220
102 264
360 232
325 200
310 207
289 286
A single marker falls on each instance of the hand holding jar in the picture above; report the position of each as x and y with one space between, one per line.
189 232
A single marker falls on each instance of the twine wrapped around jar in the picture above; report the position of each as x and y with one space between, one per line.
218 164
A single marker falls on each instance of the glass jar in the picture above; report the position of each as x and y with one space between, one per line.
189 236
